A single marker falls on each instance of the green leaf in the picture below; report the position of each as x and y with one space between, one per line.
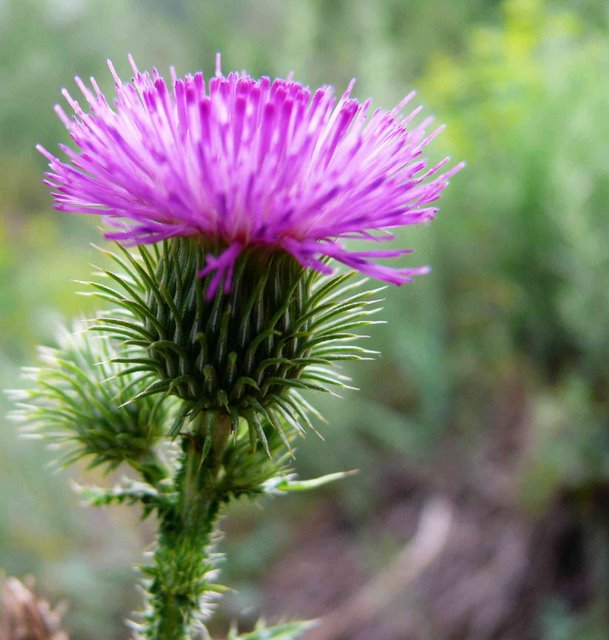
288 484
128 491
284 631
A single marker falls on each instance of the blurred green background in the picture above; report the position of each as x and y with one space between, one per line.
492 389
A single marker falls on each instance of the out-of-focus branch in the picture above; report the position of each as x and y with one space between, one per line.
25 616
426 545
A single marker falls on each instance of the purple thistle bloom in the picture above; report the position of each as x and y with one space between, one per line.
247 162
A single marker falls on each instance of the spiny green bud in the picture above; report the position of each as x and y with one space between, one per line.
246 353
75 402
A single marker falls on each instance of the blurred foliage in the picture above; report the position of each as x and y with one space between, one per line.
520 267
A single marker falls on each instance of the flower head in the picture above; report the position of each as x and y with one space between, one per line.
242 162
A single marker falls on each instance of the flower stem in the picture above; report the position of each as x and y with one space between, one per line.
179 578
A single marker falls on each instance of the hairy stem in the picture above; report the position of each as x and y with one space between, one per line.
178 581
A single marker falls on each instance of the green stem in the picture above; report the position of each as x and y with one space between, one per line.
150 466
179 576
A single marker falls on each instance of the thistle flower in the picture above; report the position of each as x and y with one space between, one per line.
242 163
253 186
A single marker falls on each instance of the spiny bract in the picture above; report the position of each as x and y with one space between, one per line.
246 354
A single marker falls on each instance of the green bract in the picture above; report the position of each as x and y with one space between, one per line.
248 353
